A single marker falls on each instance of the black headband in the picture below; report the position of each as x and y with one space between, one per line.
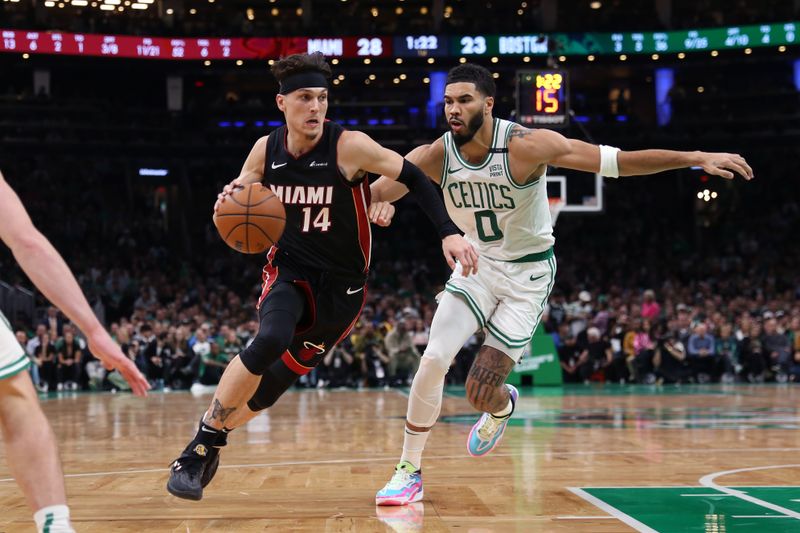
301 80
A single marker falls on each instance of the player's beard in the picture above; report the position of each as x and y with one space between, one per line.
470 129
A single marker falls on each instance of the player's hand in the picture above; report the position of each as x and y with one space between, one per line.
456 248
105 349
381 213
721 164
227 191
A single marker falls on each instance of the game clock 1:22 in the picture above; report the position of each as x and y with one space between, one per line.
420 46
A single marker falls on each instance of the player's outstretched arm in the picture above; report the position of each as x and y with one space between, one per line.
549 147
358 151
252 170
48 271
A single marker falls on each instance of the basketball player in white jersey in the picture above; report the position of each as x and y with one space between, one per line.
29 442
492 175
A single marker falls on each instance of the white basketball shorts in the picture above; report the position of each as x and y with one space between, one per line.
507 298
13 359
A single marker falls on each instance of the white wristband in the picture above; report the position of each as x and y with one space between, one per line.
608 161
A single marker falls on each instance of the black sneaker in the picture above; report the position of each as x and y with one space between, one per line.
213 458
186 473
211 467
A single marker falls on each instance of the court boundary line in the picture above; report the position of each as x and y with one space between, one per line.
708 481
613 511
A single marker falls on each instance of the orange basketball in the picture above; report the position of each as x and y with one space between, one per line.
251 219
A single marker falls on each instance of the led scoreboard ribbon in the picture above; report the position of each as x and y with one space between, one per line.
43 42
36 42
676 41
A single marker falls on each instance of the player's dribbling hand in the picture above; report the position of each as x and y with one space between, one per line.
721 164
381 213
105 349
456 248
227 191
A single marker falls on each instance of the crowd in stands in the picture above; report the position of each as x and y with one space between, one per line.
651 291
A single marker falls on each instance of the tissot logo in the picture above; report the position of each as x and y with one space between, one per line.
315 164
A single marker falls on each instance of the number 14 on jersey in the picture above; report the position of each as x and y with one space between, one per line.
322 220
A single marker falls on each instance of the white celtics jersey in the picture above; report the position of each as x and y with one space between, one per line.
503 220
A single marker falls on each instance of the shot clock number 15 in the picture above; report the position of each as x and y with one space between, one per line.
548 92
543 98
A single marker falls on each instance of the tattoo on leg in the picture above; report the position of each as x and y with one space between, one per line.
486 378
218 412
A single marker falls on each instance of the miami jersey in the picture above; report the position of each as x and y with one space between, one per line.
503 220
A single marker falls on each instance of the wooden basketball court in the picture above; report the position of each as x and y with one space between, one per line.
705 458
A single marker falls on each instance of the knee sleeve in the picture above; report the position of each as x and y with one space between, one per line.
280 313
276 380
425 398
269 344
453 324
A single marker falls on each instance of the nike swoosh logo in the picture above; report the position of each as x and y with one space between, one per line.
207 430
537 277
274 166
351 291
453 171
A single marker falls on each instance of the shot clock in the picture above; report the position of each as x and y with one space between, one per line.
543 98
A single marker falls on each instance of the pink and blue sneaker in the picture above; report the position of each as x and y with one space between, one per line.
405 486
486 433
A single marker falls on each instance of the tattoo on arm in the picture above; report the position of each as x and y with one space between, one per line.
218 412
519 131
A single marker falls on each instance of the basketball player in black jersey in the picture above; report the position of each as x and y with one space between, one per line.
314 282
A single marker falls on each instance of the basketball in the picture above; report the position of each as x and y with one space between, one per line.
251 219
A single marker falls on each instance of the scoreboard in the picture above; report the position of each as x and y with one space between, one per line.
421 46
431 45
677 41
58 43
542 98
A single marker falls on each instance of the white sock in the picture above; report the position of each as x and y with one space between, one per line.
53 519
505 411
413 444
